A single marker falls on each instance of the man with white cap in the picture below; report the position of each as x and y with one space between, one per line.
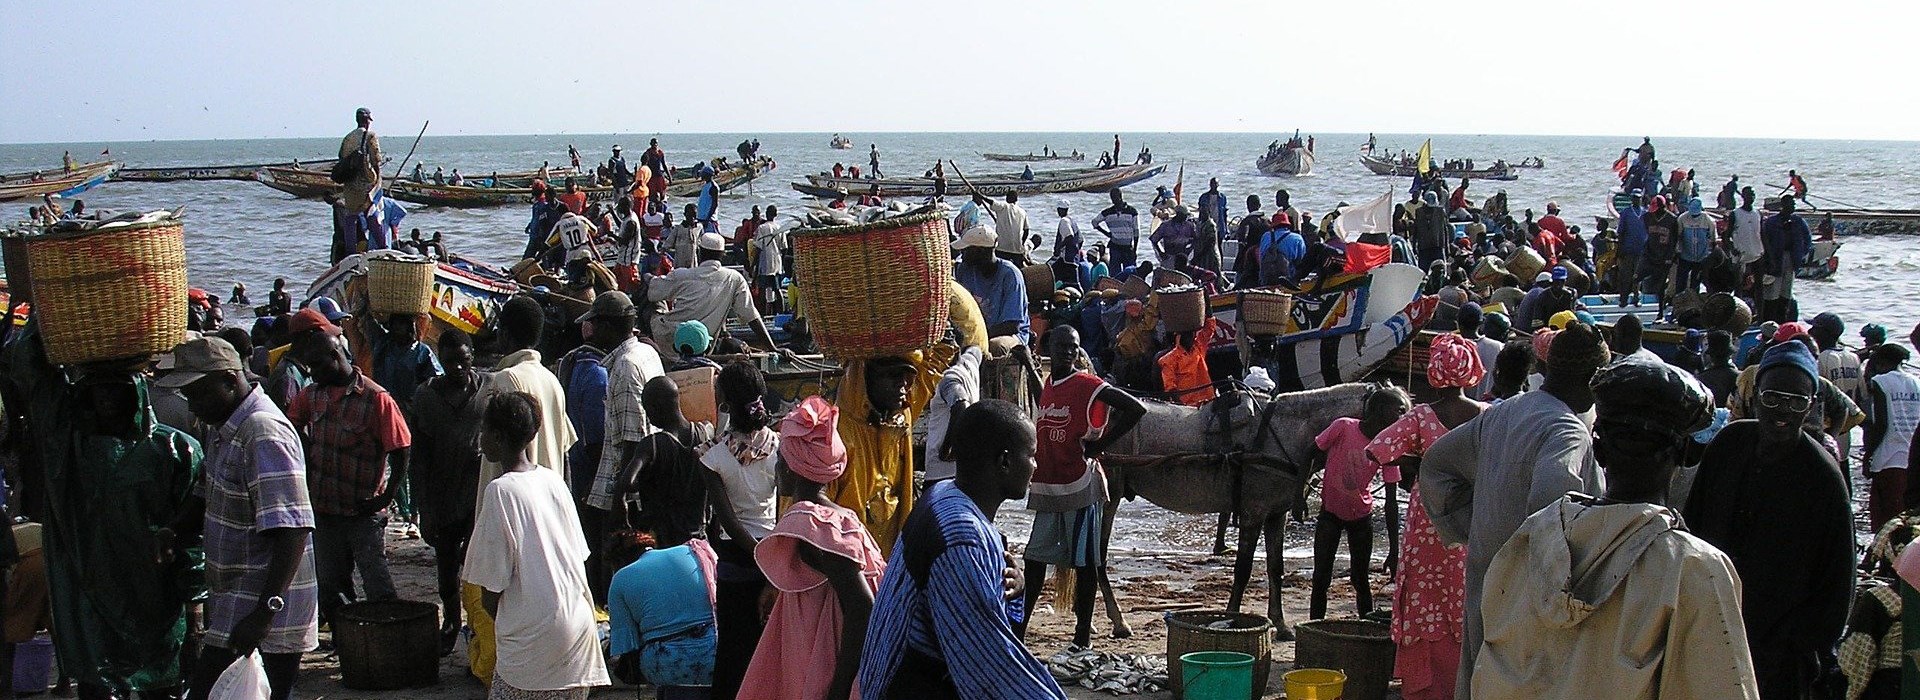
708 292
996 285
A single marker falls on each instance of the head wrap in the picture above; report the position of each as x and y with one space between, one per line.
1494 323
1560 320
1791 356
1578 348
1543 343
1453 361
810 441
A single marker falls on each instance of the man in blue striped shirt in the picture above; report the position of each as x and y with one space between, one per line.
941 625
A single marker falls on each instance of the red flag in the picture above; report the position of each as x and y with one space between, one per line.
1362 257
1620 166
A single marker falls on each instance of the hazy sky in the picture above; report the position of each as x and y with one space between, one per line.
120 70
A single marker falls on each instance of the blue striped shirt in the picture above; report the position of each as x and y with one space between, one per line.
961 617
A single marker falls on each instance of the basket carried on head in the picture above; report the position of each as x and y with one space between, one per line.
1264 312
399 285
1182 308
1039 279
877 289
1135 287
109 293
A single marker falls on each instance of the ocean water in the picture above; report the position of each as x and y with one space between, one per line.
245 232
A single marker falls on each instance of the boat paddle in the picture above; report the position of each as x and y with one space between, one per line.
416 144
975 191
1785 190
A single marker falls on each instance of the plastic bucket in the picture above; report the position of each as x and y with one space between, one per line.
33 665
1315 684
1216 675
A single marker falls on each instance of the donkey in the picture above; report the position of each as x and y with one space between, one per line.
1177 458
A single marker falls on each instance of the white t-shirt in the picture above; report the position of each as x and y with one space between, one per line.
576 233
1746 236
750 487
769 239
527 546
1010 222
959 384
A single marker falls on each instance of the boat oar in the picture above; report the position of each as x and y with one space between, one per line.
416 144
1815 196
975 191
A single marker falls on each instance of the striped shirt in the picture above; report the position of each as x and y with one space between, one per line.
350 429
257 481
959 617
629 367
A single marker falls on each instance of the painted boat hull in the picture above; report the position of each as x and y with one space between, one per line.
1029 158
429 194
214 172
299 182
1383 166
1055 181
1343 334
83 178
1286 161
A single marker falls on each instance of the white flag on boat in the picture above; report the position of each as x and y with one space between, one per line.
1372 217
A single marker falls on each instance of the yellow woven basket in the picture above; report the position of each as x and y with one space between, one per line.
878 289
110 293
399 286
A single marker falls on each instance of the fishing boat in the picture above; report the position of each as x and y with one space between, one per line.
59 182
684 183
465 293
840 143
1033 157
1289 159
1535 162
1339 333
1381 165
304 183
522 178
214 172
1044 181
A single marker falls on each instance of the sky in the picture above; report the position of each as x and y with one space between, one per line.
117 70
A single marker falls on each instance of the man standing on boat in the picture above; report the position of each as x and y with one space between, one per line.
1213 209
357 193
873 160
1010 225
1121 224
655 160
617 170
1786 240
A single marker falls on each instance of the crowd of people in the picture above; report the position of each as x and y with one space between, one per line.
1583 513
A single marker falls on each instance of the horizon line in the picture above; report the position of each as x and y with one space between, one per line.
1303 132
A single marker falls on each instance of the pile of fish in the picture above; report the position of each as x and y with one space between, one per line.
1120 674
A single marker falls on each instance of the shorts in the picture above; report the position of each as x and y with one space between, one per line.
1066 539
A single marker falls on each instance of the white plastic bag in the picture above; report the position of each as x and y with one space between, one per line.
245 679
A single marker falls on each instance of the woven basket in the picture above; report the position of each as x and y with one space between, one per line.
1362 649
1106 283
1135 288
109 294
1246 633
1039 279
1183 310
13 247
1163 277
399 286
877 289
1264 313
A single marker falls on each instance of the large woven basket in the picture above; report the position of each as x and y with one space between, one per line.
877 289
1264 313
13 247
399 285
1182 309
1246 633
112 293
1039 280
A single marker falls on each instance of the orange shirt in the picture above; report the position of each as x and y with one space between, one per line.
575 202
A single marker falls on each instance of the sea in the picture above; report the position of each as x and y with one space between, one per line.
242 232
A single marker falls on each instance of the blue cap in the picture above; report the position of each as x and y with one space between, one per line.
1791 355
1559 274
328 308
692 338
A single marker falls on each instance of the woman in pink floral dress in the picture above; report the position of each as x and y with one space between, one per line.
1429 592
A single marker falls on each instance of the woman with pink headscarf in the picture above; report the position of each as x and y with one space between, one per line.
1430 582
824 565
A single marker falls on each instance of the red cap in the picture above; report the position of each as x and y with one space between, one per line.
311 319
1280 218
1789 331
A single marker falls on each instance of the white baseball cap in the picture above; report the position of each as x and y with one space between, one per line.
712 241
977 237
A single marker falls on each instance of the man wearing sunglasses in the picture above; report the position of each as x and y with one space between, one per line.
1776 502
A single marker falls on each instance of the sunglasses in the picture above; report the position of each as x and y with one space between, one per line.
1786 401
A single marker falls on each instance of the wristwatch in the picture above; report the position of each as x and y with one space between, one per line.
274 603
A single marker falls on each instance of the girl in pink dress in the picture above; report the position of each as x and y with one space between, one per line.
1429 593
824 565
